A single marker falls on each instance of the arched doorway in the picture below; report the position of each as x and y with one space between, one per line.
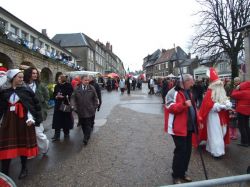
46 75
5 61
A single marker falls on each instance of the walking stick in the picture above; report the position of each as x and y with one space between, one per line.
195 129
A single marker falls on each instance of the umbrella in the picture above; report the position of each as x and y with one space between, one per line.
142 76
129 75
113 75
171 76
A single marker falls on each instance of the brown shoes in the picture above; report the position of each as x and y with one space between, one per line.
182 180
177 181
187 178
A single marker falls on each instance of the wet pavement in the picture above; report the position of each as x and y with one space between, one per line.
128 148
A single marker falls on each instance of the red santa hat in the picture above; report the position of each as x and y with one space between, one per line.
3 69
212 74
3 77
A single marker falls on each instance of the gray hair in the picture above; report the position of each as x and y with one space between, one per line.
237 79
84 75
185 77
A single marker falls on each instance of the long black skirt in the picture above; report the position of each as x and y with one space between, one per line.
62 120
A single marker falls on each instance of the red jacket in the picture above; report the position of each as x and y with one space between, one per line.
242 97
176 113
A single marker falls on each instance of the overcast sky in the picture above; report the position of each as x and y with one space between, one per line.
135 28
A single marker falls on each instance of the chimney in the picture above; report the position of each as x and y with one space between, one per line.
111 48
44 32
189 55
108 45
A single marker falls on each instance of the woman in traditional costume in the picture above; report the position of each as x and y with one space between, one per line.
19 113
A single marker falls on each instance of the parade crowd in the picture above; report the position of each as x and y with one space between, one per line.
200 114
205 112
23 108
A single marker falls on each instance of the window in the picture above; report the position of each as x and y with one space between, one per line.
40 44
46 47
13 29
3 23
24 35
53 52
166 65
223 67
32 40
184 70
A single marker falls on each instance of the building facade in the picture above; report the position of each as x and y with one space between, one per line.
93 55
22 46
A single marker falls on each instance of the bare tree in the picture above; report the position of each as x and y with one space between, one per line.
217 29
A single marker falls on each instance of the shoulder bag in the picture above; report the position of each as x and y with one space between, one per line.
64 107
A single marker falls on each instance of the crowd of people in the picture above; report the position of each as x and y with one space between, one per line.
211 110
23 108
205 114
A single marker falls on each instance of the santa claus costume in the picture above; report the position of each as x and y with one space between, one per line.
215 116
3 77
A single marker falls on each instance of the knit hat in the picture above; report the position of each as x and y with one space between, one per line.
212 74
12 73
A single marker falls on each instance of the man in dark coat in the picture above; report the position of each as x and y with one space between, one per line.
128 84
84 102
92 82
164 90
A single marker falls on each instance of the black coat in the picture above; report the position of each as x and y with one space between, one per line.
165 88
27 98
65 89
98 91
85 102
62 119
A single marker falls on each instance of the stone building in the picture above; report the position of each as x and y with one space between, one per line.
93 55
22 46
163 62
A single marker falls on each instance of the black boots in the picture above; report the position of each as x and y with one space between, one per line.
23 173
56 137
85 142
24 170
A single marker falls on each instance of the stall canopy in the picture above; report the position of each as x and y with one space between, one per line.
171 76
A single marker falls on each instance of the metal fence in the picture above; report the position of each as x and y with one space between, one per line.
241 180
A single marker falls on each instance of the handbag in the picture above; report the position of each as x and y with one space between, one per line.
65 108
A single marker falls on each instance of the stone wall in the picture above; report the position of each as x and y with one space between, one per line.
14 55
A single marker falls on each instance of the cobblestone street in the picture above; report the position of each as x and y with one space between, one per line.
128 148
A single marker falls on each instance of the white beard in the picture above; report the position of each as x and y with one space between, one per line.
3 80
218 92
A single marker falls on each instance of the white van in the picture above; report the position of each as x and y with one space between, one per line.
72 74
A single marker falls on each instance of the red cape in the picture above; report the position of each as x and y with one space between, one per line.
206 106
